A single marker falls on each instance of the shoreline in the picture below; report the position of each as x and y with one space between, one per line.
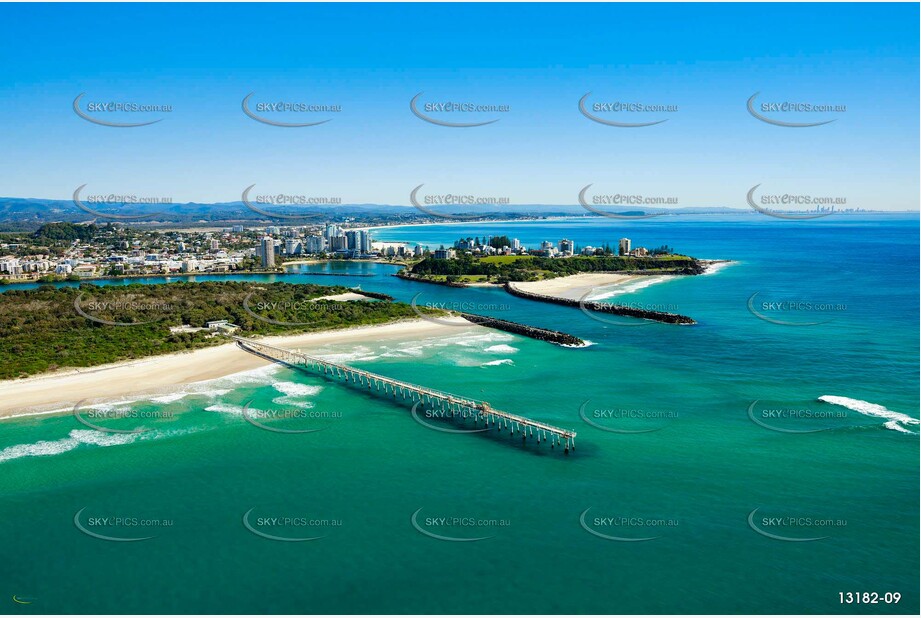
140 379
241 273
577 286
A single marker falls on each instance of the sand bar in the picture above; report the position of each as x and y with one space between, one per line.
575 287
345 296
157 374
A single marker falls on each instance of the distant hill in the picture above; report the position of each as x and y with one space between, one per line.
28 214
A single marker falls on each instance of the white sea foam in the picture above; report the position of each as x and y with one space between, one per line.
895 420
110 408
296 389
212 393
89 436
714 268
501 349
627 288
295 393
469 340
42 448
502 361
251 376
358 353
226 408
413 350
170 398
420 348
895 426
45 448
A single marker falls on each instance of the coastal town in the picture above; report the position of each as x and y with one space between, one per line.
67 251
64 250
503 245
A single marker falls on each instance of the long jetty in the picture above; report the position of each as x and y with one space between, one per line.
413 394
541 334
633 312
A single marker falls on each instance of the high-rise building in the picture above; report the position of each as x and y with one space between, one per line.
268 252
331 231
365 242
516 244
214 244
624 246
445 254
353 240
314 244
338 243
292 246
566 247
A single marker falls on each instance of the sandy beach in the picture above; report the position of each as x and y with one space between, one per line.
575 287
64 389
341 297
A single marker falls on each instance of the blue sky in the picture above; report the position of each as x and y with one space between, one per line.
539 60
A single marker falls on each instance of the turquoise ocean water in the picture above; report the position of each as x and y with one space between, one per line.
701 439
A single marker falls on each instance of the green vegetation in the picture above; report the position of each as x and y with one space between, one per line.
66 231
458 278
42 330
497 242
503 259
530 268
